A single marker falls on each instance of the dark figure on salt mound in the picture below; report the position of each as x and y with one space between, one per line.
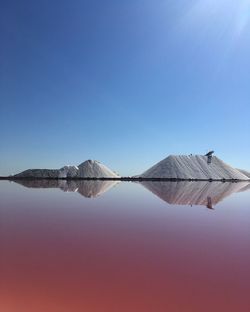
209 157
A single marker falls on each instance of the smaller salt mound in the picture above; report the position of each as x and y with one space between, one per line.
193 167
68 172
88 169
94 169
245 172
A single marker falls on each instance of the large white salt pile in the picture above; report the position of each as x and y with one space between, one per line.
94 169
193 167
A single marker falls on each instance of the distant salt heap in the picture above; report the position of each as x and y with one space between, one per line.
245 172
87 169
193 167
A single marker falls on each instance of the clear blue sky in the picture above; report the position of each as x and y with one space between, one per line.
123 82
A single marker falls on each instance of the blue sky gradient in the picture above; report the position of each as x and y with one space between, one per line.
123 82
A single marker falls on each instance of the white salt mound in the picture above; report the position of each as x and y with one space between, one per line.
193 167
68 172
94 169
245 172
88 169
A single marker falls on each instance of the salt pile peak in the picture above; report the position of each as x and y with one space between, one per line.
193 167
95 169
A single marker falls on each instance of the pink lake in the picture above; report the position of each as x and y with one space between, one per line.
124 247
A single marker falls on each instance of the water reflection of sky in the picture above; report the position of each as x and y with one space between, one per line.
127 250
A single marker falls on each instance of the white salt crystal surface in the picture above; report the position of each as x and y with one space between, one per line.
193 167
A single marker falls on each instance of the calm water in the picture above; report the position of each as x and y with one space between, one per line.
124 247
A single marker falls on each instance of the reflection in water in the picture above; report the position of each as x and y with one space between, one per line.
209 203
245 188
177 193
87 188
194 193
130 254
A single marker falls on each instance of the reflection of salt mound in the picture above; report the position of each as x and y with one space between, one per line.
91 188
193 193
193 167
94 169
43 183
245 188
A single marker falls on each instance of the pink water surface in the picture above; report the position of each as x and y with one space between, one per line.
126 251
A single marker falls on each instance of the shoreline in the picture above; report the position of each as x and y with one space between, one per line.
128 179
